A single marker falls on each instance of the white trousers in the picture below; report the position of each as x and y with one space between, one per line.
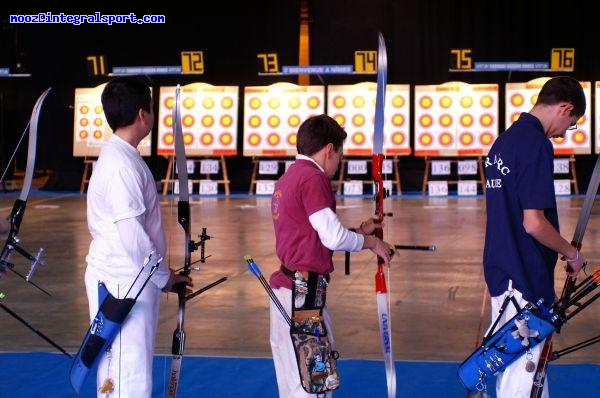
515 381
128 363
284 357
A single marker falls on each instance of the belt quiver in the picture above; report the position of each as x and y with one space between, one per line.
526 329
314 354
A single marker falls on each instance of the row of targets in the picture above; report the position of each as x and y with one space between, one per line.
520 97
353 107
90 126
273 114
455 119
451 119
208 119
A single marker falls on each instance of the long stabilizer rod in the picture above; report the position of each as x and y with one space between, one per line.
33 329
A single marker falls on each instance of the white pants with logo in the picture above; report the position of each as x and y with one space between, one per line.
129 362
515 381
284 357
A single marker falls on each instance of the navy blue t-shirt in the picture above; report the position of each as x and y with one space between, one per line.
519 176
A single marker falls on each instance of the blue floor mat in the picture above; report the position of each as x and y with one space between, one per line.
46 375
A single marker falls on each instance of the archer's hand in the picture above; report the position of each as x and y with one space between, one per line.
176 280
379 247
575 264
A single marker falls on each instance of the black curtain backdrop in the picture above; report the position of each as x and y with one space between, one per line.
419 35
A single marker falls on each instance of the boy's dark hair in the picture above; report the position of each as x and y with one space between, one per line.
123 97
318 131
563 89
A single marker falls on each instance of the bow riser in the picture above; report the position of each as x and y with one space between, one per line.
183 217
16 216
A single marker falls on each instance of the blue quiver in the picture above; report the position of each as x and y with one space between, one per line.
506 346
105 326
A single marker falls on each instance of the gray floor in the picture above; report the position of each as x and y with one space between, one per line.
439 304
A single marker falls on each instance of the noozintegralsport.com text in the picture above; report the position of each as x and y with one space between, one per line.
97 17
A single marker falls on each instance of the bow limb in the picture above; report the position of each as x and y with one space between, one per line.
18 211
383 303
33 123
32 144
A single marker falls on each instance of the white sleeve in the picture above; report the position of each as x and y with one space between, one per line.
138 246
332 233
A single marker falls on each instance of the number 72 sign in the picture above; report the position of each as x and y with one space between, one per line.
192 62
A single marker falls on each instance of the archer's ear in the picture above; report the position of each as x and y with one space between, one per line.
329 149
566 108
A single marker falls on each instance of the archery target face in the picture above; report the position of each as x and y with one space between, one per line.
273 114
521 97
353 107
208 118
91 128
455 119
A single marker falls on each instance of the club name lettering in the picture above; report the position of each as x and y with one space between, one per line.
493 183
504 170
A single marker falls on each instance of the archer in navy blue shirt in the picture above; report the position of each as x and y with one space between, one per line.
522 238
519 176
